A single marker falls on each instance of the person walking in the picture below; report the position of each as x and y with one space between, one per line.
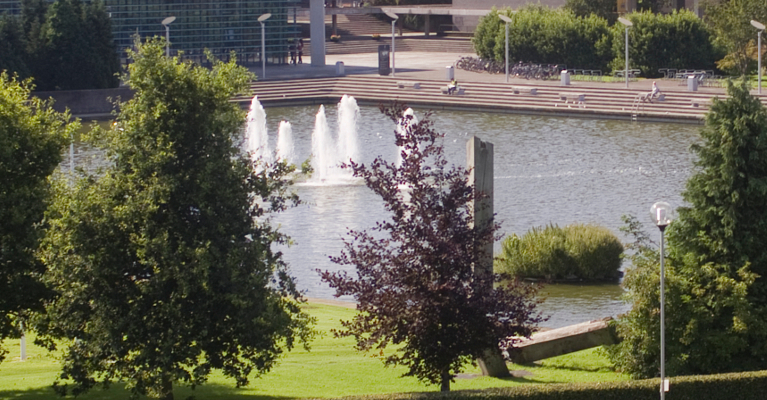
300 51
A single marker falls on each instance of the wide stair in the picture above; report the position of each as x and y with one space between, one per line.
614 103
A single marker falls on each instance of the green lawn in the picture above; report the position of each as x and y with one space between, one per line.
331 369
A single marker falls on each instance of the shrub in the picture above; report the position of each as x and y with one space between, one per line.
545 36
749 385
574 252
678 40
376 36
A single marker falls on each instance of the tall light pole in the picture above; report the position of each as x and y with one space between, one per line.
628 25
261 19
394 18
760 26
507 20
662 214
166 22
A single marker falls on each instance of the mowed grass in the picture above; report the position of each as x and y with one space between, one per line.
332 368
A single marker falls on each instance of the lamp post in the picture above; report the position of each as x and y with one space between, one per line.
394 18
662 214
261 19
507 20
628 25
166 22
760 26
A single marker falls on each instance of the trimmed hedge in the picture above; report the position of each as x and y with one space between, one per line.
579 251
741 386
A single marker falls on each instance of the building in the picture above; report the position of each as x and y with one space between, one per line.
221 26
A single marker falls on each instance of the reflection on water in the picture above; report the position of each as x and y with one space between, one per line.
547 170
572 303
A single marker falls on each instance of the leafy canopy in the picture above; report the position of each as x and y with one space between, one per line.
32 136
716 288
162 261
414 281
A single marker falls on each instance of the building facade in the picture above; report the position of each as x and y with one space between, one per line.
222 26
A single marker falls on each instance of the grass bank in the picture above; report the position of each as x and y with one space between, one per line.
331 369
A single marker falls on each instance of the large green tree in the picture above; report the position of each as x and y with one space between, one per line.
717 264
32 135
730 21
607 9
12 47
163 261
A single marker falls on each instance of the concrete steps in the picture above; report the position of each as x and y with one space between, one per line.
613 103
366 44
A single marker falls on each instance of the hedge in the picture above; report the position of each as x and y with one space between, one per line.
741 386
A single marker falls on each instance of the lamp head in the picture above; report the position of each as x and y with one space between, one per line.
264 17
662 214
167 21
757 25
504 18
391 15
626 22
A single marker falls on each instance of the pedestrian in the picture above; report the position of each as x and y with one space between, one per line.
300 51
292 49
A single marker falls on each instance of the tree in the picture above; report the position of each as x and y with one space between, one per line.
607 9
67 56
415 287
730 21
664 41
104 60
12 47
162 262
32 136
716 287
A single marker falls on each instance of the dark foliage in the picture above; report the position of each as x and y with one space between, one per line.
414 282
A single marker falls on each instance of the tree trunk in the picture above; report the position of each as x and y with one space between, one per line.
445 382
166 391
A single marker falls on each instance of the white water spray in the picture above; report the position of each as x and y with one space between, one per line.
348 115
408 119
285 146
256 139
322 147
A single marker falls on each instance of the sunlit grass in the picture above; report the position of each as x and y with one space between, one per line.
331 369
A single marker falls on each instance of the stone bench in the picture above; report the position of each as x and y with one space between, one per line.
574 97
460 90
525 90
404 84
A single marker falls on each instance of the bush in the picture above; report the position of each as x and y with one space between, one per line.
749 385
574 252
678 40
545 36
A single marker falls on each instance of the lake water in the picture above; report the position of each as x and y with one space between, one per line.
547 171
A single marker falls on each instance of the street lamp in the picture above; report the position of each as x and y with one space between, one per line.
166 22
261 19
760 26
507 20
394 18
628 25
662 214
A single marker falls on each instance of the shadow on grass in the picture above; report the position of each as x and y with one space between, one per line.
117 391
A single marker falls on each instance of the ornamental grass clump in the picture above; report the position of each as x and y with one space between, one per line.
575 252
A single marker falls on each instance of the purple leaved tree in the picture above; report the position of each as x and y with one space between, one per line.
415 285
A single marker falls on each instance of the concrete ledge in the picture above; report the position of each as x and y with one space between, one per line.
524 90
563 341
97 103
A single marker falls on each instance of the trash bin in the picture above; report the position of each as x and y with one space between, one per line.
383 60
449 72
692 83
340 68
565 78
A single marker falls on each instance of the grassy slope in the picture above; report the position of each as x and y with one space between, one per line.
331 369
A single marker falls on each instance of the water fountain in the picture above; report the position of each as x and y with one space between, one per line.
256 139
286 148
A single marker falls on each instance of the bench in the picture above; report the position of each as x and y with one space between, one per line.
525 90
403 84
460 90
575 97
